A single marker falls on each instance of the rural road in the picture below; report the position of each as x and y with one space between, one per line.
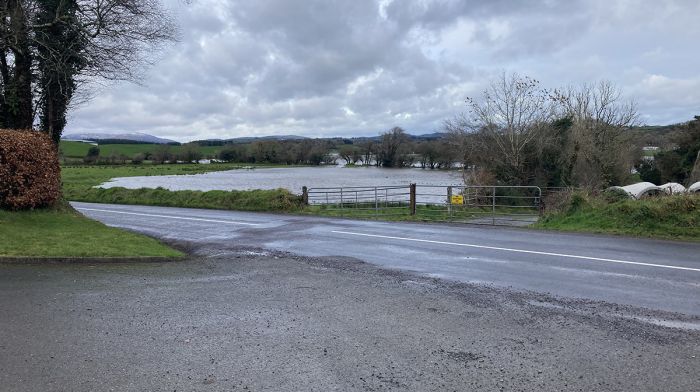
294 303
658 275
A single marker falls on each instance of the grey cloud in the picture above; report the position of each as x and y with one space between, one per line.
324 68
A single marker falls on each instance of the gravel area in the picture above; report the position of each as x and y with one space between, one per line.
247 319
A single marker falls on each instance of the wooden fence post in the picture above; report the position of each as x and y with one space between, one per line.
412 202
305 195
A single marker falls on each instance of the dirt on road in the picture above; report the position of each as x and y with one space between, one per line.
243 319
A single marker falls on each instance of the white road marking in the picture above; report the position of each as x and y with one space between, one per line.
171 217
518 250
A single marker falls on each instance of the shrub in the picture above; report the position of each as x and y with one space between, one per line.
92 155
613 195
30 175
578 201
138 159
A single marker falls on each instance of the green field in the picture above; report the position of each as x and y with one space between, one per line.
62 232
79 149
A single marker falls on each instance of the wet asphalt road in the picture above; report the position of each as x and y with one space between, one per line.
255 321
658 275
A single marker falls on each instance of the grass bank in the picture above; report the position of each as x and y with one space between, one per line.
669 217
62 232
79 185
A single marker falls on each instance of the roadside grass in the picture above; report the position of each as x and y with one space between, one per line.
63 232
424 213
79 185
275 200
674 217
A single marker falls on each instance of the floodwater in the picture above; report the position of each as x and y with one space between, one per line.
292 178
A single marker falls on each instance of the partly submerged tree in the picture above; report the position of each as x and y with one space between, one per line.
49 48
393 149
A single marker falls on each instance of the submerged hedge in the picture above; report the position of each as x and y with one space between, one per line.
30 175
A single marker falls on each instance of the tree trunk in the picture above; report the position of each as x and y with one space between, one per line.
18 92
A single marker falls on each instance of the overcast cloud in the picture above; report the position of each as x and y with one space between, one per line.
358 67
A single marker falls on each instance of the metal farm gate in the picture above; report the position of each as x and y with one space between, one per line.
490 205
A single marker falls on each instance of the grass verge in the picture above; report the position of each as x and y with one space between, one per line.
276 200
63 232
674 217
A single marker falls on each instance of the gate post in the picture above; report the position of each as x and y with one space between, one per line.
305 195
412 202
449 201
493 209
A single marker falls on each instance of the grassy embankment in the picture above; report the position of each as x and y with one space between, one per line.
62 232
79 183
674 217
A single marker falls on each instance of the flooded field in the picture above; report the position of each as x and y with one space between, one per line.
293 179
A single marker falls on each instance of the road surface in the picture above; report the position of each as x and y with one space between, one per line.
659 275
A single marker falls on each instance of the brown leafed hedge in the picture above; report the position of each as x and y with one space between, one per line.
30 175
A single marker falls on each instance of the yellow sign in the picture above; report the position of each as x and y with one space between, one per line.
457 199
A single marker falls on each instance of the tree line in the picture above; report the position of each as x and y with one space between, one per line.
519 133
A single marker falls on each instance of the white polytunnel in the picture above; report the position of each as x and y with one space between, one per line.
639 189
695 187
673 188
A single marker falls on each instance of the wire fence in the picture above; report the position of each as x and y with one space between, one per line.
492 205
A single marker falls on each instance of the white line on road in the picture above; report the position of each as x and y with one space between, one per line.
518 250
171 217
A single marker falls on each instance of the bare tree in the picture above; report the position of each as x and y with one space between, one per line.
392 150
49 48
368 151
505 122
600 142
349 153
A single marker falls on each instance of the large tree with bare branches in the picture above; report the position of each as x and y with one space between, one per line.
504 124
50 48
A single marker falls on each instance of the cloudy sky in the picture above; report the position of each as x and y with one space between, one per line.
358 67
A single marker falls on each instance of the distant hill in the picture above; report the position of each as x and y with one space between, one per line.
119 138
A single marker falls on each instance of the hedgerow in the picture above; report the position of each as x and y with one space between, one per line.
30 175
